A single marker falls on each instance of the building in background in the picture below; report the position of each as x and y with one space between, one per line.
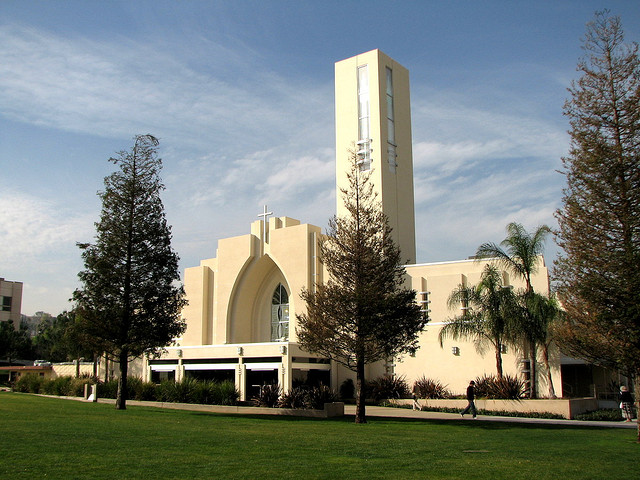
10 301
241 316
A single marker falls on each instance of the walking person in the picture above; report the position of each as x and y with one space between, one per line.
416 404
626 403
471 396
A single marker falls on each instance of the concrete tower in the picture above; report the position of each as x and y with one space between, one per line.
373 117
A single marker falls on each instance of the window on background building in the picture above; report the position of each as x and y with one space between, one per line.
280 314
6 304
364 140
391 127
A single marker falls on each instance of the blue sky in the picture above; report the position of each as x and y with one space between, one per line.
240 94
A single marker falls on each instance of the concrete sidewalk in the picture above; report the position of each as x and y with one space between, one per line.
392 412
371 411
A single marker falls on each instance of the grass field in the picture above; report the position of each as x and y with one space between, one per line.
60 439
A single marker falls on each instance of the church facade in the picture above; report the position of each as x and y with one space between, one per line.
241 316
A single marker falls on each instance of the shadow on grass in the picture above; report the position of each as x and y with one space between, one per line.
454 422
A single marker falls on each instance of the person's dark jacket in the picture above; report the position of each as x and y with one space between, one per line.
625 397
471 393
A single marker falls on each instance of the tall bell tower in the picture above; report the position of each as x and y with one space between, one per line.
373 116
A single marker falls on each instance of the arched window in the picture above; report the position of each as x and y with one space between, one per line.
280 315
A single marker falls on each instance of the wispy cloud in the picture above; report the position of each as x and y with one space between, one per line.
479 170
236 135
32 228
113 89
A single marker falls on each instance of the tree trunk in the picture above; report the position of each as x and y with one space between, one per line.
499 362
360 391
78 367
121 399
532 371
545 358
636 394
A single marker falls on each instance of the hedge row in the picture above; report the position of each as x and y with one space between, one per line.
61 386
187 391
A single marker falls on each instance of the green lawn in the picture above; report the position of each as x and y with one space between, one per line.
60 439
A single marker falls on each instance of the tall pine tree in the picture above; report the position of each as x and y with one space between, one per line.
363 313
599 272
129 301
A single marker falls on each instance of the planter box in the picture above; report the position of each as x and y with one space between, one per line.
566 407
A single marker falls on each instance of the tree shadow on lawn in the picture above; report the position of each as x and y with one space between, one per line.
484 424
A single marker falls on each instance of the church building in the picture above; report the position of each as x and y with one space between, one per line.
241 316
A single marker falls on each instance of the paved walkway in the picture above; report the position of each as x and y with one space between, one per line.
389 412
406 413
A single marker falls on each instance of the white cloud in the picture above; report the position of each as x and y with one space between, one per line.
236 135
32 228
477 169
113 89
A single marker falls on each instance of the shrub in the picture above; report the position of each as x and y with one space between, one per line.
318 396
139 390
29 383
388 386
185 390
75 386
603 415
208 392
146 391
178 392
268 396
133 384
225 393
490 386
347 389
428 388
294 398
58 386
204 392
108 389
136 389
163 391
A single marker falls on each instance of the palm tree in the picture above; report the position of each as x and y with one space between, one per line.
547 312
519 253
484 316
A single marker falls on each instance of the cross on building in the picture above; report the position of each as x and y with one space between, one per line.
264 216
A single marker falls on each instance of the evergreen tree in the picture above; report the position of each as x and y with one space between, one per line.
599 272
363 313
129 302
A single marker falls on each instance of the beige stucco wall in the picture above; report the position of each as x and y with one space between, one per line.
567 408
440 363
394 188
230 295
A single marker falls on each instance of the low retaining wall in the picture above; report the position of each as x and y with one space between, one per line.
330 409
566 407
